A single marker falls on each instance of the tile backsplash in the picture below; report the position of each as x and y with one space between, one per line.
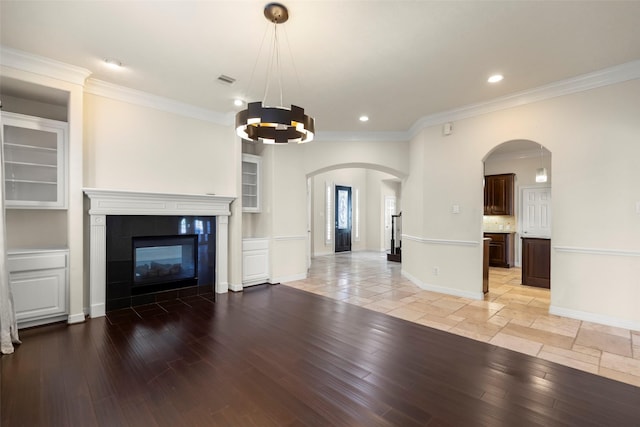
498 223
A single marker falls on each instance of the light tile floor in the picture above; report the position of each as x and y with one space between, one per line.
511 315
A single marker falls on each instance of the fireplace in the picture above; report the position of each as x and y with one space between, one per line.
157 215
152 258
159 260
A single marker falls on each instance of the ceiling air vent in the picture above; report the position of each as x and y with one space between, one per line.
226 79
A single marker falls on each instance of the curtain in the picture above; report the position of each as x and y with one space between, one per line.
8 324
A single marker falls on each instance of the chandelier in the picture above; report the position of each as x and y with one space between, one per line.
275 125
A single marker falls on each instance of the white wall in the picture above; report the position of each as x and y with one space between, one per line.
595 262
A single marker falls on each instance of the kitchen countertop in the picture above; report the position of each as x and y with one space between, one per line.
499 231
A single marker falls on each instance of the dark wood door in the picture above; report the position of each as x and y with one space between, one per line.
343 218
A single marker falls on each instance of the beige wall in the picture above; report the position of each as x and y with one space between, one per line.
130 147
593 136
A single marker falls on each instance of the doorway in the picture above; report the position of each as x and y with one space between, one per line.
531 209
343 219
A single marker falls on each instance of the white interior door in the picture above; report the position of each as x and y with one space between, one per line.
536 212
389 209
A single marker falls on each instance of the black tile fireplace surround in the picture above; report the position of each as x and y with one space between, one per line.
122 288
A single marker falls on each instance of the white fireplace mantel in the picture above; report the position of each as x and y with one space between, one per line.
120 202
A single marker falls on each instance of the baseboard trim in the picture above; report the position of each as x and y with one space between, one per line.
594 318
39 322
292 278
76 318
98 310
442 289
233 288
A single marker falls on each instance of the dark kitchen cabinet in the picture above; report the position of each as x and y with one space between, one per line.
498 194
536 262
501 249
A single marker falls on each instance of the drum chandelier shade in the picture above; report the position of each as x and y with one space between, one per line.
275 125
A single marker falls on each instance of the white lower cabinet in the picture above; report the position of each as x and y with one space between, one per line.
39 282
255 261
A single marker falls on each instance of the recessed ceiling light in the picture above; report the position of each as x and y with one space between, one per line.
495 78
238 102
364 118
114 64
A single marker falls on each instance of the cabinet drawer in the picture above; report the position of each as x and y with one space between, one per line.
36 261
497 237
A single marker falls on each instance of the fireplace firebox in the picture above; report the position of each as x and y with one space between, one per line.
161 259
157 258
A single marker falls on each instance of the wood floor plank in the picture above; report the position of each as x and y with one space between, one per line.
278 356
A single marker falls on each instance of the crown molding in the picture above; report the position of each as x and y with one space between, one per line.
608 76
51 68
43 66
145 99
331 136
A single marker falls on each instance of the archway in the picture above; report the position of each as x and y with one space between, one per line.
371 184
531 217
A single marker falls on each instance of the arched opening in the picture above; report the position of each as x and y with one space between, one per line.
518 216
375 194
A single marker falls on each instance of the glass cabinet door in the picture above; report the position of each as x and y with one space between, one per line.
250 183
33 161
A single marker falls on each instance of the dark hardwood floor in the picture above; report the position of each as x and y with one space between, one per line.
277 356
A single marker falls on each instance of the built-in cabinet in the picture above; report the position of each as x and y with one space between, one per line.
35 167
501 249
39 282
498 194
255 261
536 262
251 190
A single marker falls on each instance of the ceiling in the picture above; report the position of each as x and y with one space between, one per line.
395 61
